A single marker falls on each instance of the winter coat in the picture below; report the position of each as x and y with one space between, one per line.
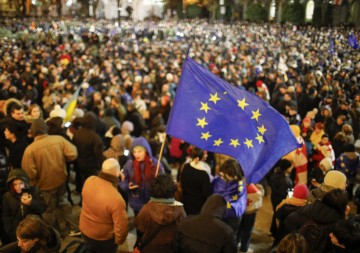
103 215
234 192
13 211
165 212
141 195
206 232
280 184
196 188
318 193
318 212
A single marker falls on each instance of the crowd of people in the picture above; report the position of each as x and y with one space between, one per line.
126 78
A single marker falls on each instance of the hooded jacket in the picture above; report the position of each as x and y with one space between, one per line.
138 197
13 210
165 212
206 232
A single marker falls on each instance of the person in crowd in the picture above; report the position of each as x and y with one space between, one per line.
322 150
287 206
280 184
333 180
158 219
254 202
138 174
206 232
34 112
317 175
349 163
346 236
137 119
231 185
317 134
195 183
103 218
44 162
17 143
90 147
292 243
20 201
325 212
34 236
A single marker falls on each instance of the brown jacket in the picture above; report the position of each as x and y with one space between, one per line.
103 215
45 159
159 212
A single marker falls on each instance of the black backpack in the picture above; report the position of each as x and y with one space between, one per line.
76 246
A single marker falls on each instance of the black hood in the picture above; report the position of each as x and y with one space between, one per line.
215 205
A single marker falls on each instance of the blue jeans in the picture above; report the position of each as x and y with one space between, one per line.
96 246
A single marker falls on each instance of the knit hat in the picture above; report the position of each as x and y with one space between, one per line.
301 191
58 112
38 127
335 179
127 126
327 163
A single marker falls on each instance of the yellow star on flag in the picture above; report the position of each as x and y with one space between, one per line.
262 129
234 142
202 122
260 138
204 107
218 142
242 103
228 205
256 114
214 98
248 143
206 135
235 197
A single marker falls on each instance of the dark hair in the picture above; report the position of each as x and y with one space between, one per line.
337 199
197 152
33 227
15 106
292 243
283 164
232 168
324 136
14 127
163 186
347 233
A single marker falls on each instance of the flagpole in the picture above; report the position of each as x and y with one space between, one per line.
160 156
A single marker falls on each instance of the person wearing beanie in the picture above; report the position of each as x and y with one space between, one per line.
57 112
287 206
317 175
20 201
44 161
333 180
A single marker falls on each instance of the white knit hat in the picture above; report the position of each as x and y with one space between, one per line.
327 163
58 112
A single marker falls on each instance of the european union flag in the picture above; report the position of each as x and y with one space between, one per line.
331 45
352 41
214 115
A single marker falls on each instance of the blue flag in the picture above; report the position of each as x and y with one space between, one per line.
352 41
216 116
331 45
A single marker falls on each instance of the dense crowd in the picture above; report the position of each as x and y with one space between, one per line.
128 75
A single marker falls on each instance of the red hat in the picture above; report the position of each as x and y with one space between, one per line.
301 191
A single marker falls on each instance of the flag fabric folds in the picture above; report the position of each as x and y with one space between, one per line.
216 116
352 42
70 105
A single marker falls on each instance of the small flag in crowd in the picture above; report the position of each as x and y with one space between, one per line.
353 42
331 45
216 116
70 105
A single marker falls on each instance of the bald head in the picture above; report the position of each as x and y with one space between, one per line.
111 166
